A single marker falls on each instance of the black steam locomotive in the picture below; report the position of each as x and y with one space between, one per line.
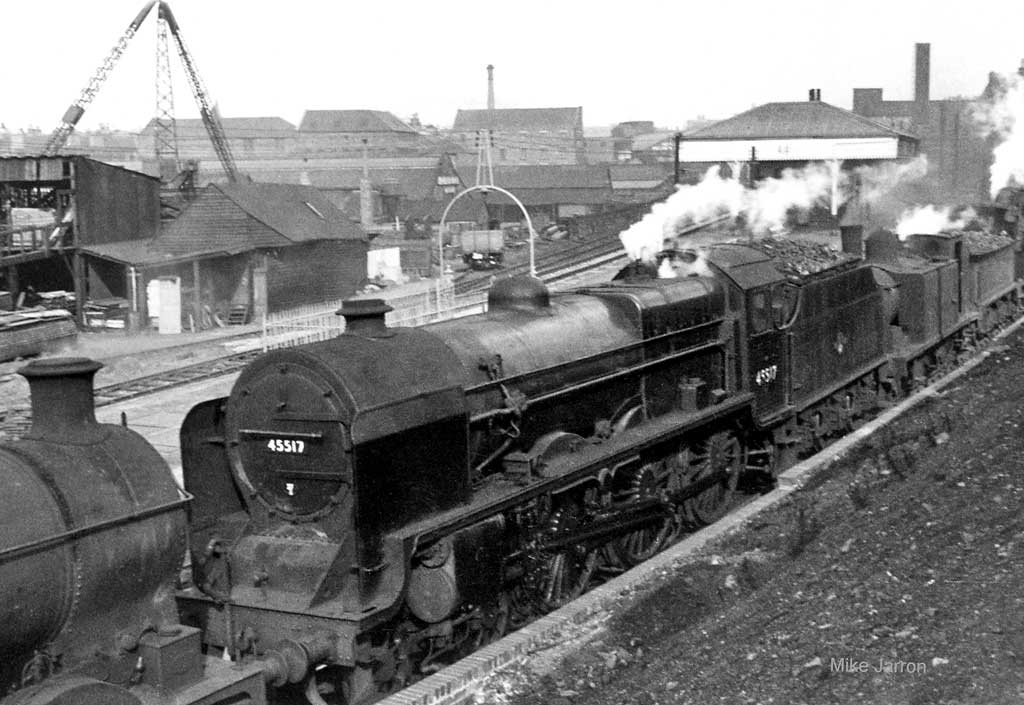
390 499
366 509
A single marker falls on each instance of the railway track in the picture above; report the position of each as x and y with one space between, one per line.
16 421
568 262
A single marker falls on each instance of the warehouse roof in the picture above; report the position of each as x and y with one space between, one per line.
234 128
352 121
808 119
519 119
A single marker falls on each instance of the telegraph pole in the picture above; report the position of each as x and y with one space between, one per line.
677 138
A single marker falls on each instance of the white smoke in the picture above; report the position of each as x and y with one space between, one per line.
930 220
768 205
877 182
691 203
1003 118
688 263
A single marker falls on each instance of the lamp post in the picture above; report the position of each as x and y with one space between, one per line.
440 261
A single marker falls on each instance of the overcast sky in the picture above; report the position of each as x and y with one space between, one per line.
666 61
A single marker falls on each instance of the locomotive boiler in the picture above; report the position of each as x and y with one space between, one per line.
378 489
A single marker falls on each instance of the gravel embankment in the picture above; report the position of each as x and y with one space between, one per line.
896 578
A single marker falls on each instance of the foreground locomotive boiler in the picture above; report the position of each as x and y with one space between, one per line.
92 536
376 505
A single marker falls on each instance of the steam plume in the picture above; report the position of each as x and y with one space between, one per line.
930 220
1002 116
714 195
765 206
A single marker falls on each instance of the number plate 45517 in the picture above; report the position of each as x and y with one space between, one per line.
286 445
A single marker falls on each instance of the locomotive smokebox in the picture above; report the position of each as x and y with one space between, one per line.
365 317
92 530
61 390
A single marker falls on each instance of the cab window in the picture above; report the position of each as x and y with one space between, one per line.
785 299
760 311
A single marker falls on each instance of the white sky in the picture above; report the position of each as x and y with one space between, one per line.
661 60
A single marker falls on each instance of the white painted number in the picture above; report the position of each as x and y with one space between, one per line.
289 487
766 375
281 445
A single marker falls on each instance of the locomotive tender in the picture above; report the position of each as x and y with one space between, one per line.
363 510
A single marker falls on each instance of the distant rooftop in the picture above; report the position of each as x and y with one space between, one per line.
237 128
519 119
808 119
352 121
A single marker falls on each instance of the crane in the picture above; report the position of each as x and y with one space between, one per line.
207 109
75 111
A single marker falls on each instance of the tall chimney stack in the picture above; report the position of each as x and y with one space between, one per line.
922 81
490 86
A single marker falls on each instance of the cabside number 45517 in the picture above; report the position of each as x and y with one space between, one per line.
766 375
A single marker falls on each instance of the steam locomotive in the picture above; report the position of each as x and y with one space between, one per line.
364 510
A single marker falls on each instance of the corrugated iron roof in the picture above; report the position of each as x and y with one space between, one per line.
650 139
519 119
639 172
144 253
808 119
352 121
556 196
544 176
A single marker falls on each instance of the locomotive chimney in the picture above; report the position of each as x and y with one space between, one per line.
882 246
365 317
852 237
61 388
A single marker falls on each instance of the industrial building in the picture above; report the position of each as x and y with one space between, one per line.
237 252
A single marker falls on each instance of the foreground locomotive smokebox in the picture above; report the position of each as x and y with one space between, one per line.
91 546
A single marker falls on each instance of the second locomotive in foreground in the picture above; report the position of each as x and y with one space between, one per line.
376 505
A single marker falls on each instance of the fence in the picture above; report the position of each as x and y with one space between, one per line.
308 324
